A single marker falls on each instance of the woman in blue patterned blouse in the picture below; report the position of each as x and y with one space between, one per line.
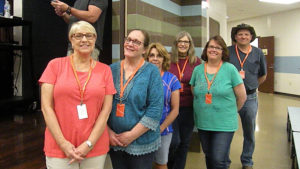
137 107
158 55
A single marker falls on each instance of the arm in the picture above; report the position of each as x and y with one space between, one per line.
240 94
262 79
66 17
99 126
52 123
91 15
154 108
174 110
192 89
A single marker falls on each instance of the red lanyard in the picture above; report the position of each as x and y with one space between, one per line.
209 83
122 88
238 55
183 69
81 90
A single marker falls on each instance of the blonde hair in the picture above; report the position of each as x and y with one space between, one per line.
82 25
191 51
162 51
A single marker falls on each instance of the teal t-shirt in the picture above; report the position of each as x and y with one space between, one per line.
221 115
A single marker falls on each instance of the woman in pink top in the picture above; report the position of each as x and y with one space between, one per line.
76 99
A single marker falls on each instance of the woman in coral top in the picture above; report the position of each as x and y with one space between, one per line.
76 100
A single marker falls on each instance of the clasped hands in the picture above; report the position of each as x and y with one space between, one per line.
75 154
59 7
122 139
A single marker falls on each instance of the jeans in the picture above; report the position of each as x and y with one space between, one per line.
123 160
182 133
216 147
248 118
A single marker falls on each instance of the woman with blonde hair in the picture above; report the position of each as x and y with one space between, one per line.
183 62
159 56
76 100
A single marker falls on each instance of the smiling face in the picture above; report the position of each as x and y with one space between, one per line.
183 45
83 42
243 37
155 58
214 51
134 44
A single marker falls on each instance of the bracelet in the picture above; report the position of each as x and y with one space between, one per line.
89 144
68 11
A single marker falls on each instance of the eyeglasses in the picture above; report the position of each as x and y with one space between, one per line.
133 41
215 48
88 36
184 42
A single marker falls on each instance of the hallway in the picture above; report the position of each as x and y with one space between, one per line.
272 149
21 139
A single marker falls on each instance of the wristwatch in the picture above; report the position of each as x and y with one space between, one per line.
89 143
68 11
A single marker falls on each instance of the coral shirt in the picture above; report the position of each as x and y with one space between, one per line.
66 97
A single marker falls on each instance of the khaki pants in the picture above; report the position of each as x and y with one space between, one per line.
88 163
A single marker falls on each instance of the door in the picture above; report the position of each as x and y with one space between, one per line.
267 46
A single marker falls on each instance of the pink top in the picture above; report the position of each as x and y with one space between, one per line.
66 98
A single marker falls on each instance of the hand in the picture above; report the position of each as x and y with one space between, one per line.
161 129
82 150
113 140
59 6
59 12
70 151
125 138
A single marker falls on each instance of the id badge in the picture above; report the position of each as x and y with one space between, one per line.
120 110
242 73
82 111
208 98
181 89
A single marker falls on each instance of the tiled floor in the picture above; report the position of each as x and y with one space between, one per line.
272 148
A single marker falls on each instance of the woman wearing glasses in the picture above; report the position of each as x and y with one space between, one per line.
159 56
219 93
183 62
137 107
76 100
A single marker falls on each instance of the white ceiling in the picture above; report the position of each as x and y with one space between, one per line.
242 9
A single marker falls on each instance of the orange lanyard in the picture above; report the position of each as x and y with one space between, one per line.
238 55
122 88
77 79
181 71
162 73
209 83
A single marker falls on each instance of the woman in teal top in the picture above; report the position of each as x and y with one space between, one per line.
219 93
134 127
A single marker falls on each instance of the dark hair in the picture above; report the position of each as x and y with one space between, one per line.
220 41
146 36
162 51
